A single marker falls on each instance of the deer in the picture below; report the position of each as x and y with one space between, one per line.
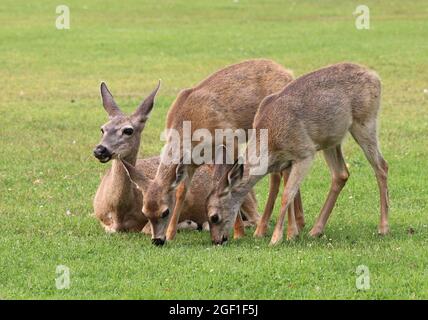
118 202
227 99
312 113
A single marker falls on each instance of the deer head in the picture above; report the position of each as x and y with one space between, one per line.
121 134
159 211
222 203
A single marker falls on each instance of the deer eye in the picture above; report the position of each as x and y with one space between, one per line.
102 130
128 131
165 214
215 218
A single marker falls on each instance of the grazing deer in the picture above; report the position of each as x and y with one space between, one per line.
194 207
228 99
312 113
118 203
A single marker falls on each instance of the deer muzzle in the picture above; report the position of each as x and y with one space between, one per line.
220 241
102 153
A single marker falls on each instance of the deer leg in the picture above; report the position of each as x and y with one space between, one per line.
293 228
298 210
249 209
274 183
238 229
180 195
366 137
340 175
299 169
297 206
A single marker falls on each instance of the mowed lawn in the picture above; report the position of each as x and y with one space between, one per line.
50 114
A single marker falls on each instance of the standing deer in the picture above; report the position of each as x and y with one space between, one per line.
228 99
312 113
118 203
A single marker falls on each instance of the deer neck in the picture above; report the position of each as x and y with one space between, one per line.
119 179
247 183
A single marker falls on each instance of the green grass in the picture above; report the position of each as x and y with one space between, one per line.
50 115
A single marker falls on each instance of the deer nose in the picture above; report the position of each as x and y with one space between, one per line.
100 150
158 241
219 242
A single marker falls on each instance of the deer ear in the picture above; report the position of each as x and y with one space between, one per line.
143 111
136 177
108 102
222 163
236 173
230 177
180 174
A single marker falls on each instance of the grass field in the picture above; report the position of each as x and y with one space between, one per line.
50 113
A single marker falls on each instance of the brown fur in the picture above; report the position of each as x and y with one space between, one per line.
118 203
227 98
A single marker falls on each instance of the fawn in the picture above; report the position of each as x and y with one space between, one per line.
227 99
118 203
312 113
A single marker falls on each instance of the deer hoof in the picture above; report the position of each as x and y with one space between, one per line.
276 240
315 233
292 234
260 232
383 230
238 235
170 236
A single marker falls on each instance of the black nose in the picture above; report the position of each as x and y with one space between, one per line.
220 242
100 150
102 153
158 241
